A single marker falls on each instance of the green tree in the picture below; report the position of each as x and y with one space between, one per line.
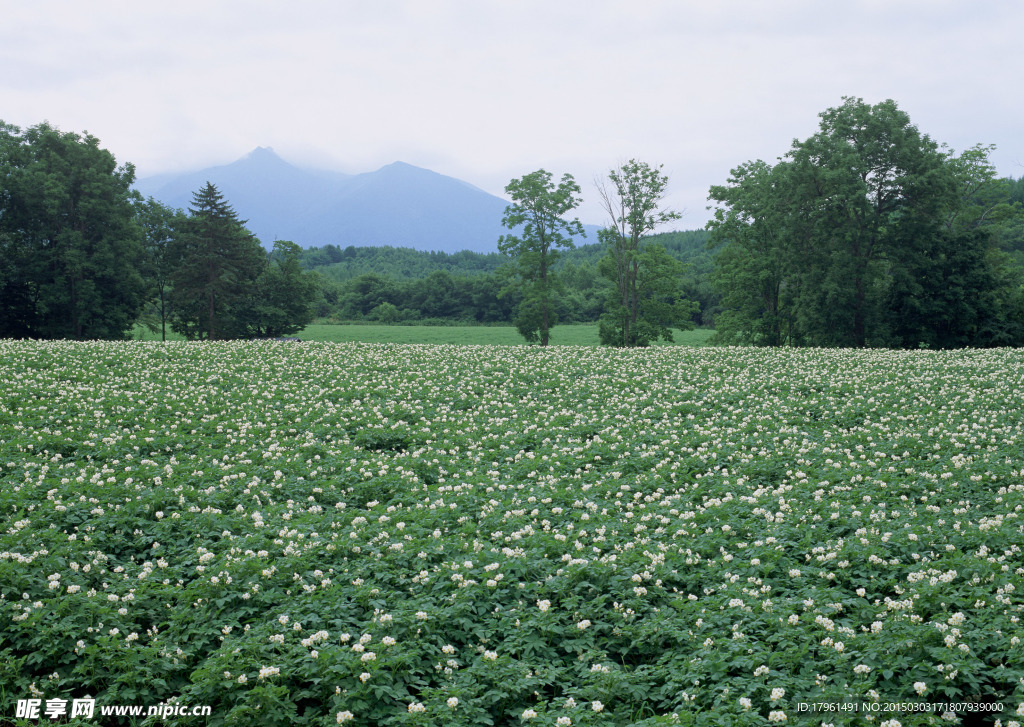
159 225
645 300
867 233
283 296
660 304
873 187
217 265
754 269
69 245
538 206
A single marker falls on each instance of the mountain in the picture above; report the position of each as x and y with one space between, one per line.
399 204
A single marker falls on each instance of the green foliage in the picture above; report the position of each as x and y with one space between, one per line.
471 335
342 264
474 281
159 226
538 207
660 302
282 301
644 301
385 313
868 233
70 250
473 535
217 263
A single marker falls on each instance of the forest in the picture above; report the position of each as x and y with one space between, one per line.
401 285
866 234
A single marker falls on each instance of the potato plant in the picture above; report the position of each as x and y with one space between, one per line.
322 534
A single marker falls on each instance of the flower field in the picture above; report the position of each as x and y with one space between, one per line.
322 534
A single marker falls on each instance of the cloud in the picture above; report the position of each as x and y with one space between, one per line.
487 91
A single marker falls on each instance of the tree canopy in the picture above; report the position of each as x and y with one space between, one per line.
538 207
70 249
645 301
866 233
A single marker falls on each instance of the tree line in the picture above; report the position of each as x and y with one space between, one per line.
628 282
436 287
83 256
868 233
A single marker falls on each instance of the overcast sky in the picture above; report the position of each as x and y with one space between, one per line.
488 90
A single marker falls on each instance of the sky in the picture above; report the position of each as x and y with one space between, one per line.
490 90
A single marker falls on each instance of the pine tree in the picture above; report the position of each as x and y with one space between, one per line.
218 264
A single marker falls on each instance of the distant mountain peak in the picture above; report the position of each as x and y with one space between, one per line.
263 154
400 204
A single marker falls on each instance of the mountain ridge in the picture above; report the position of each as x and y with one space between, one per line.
399 204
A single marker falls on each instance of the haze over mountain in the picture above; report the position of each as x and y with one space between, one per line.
399 204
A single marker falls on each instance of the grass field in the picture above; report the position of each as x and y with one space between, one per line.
575 335
390 534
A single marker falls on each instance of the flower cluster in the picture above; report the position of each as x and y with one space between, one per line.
217 508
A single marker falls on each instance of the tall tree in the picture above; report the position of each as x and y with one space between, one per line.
875 187
754 271
640 277
217 264
867 233
539 206
159 224
69 246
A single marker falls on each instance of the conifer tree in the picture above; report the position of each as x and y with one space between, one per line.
218 262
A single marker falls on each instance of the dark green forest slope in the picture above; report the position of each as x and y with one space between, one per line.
412 285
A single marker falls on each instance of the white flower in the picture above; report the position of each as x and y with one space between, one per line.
596 706
268 671
778 693
543 605
529 714
583 625
761 671
417 707
345 716
563 722
448 649
453 702
777 715
861 669
368 656
920 688
364 677
746 703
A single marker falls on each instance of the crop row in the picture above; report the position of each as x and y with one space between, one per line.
386 534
